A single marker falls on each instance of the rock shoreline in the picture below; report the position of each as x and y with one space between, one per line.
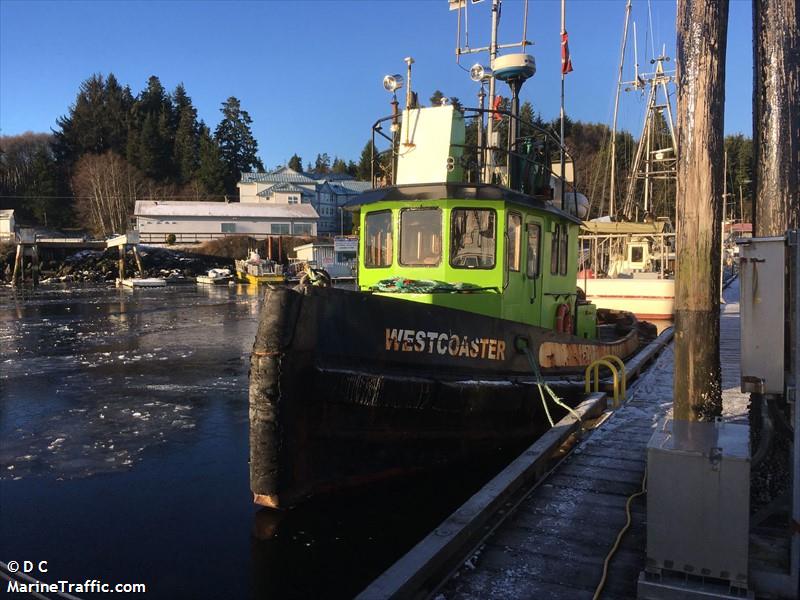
101 266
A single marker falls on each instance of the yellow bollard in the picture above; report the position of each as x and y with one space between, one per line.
596 366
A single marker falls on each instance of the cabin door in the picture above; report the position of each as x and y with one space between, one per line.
533 269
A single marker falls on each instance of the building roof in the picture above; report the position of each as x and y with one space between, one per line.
624 227
6 213
282 175
351 186
157 208
284 187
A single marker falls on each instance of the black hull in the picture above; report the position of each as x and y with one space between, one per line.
340 398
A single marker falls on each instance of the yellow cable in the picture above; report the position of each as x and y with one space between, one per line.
615 547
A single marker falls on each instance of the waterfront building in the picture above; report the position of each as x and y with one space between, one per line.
157 220
327 193
7 225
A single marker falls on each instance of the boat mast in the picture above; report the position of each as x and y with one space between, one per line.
613 191
490 124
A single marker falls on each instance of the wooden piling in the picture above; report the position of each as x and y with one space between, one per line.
701 46
35 265
121 262
17 265
776 116
138 258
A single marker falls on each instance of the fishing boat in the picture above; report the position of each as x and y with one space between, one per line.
216 277
628 256
466 303
256 270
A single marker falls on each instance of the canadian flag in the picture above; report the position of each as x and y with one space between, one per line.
566 61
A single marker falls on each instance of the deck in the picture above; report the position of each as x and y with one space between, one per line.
554 546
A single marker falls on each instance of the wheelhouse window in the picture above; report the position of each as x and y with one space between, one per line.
473 238
514 241
279 228
378 243
534 237
421 237
228 227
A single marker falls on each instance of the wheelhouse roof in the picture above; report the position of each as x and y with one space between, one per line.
455 191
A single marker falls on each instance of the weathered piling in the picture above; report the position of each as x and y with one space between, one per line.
18 265
701 45
121 262
138 258
776 116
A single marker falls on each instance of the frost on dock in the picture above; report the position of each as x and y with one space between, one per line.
554 545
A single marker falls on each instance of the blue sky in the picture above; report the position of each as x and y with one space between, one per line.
309 73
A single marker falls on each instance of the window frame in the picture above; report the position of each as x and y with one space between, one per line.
494 252
563 250
510 214
366 237
309 225
555 249
538 227
403 211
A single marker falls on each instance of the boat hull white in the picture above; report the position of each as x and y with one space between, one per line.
649 299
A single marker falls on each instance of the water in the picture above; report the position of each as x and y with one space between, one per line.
123 455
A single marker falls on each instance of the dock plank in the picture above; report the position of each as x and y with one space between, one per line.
554 545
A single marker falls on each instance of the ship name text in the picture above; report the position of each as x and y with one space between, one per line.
434 342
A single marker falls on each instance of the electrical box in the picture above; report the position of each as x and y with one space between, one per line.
431 145
698 501
762 276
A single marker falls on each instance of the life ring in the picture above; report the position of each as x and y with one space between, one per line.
563 319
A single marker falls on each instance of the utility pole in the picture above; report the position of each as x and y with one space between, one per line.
776 116
701 45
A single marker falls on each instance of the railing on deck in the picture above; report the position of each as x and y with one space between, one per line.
527 164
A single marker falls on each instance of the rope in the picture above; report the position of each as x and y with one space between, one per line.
542 384
599 590
423 286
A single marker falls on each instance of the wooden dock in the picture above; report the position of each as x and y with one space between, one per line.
554 546
554 543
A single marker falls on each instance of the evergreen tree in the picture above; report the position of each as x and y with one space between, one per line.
296 163
211 170
237 145
352 168
339 166
323 164
365 162
436 98
187 139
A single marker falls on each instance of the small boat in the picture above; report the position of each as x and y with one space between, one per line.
257 270
142 282
465 304
216 277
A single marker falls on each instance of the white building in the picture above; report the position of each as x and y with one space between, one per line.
7 225
327 193
199 221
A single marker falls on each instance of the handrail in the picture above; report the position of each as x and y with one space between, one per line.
529 131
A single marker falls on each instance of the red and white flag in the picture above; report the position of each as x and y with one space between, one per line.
566 61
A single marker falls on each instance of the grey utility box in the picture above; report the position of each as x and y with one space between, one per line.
698 501
762 276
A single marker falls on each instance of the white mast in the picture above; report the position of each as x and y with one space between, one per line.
613 190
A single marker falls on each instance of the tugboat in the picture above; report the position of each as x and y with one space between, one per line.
466 302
